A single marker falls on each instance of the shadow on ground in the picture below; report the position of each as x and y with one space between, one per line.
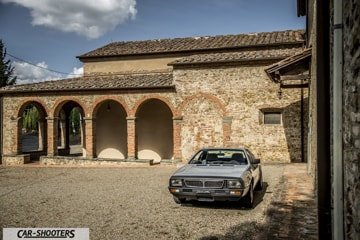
286 218
245 231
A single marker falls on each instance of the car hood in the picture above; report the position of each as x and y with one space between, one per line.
223 171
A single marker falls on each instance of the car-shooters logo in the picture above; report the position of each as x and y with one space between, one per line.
46 233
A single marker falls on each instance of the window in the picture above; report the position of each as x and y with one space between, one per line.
272 117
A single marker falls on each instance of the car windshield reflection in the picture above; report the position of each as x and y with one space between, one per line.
219 156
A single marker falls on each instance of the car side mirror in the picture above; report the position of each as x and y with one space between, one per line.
255 161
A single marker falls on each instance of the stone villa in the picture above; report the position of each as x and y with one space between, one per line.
289 96
159 101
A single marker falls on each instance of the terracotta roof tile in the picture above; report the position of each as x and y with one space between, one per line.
128 81
293 60
236 56
196 43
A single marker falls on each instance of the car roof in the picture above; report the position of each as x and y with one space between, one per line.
222 148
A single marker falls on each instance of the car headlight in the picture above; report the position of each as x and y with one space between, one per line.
176 183
234 184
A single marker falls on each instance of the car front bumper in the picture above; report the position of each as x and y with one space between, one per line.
207 195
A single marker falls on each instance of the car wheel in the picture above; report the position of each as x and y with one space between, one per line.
248 199
260 184
179 200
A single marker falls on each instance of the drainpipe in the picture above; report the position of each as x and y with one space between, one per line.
338 181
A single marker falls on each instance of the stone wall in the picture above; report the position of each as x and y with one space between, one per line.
239 94
16 159
312 103
212 107
351 119
45 160
351 110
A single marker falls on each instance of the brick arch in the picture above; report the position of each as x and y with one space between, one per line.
43 110
38 103
60 102
163 99
162 129
93 109
207 96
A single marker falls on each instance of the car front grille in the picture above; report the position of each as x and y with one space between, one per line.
204 183
214 184
194 183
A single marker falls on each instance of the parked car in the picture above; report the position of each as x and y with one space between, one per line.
218 174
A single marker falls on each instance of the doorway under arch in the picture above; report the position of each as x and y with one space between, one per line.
111 131
33 130
70 133
154 131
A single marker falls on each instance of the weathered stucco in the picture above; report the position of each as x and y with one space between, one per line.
129 65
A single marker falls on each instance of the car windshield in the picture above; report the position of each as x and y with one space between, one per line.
220 156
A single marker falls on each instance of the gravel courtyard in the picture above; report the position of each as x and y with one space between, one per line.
124 203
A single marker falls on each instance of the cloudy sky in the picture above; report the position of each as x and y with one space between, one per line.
43 37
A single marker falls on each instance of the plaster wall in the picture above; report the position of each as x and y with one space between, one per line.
128 65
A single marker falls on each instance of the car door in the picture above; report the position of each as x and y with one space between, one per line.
254 167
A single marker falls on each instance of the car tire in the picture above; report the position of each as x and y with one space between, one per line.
179 200
248 199
260 184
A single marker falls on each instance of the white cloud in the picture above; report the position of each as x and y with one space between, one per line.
90 18
76 72
27 73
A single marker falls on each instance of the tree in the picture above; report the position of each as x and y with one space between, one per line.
6 70
30 118
75 118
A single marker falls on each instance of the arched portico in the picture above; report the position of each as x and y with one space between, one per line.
66 129
111 130
154 130
31 129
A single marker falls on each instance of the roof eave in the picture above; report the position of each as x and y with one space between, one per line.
189 51
15 92
286 62
228 62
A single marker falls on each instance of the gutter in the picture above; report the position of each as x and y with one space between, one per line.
338 179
